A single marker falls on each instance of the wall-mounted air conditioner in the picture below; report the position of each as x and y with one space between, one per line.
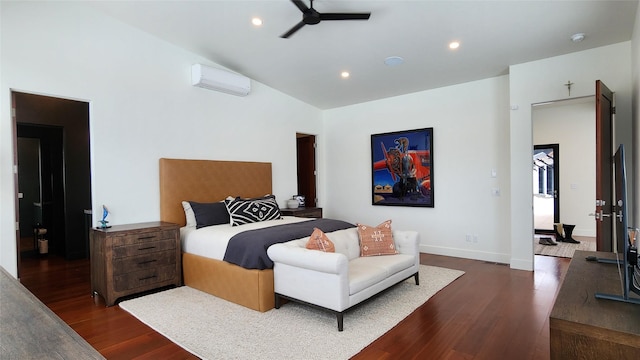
220 80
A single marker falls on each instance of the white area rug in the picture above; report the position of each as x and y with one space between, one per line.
212 328
563 249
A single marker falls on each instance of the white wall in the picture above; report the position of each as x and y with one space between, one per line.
470 138
142 108
544 80
572 125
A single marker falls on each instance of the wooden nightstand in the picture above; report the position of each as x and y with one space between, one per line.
128 259
307 212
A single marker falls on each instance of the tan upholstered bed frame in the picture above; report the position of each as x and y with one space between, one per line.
209 181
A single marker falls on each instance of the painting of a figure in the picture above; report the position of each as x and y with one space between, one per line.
402 168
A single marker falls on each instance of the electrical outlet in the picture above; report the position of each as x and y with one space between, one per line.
468 237
475 238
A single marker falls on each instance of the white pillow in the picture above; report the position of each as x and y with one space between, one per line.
189 214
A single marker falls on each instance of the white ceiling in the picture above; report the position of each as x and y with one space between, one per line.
307 66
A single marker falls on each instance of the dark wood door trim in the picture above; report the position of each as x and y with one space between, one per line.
306 161
14 130
604 167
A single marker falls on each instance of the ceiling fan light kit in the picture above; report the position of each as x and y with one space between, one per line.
312 17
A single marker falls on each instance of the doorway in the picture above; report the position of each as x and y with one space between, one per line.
52 155
306 164
546 180
41 188
570 124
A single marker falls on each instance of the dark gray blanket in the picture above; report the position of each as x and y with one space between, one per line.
249 248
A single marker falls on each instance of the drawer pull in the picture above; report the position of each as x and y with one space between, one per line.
148 277
146 237
147 248
146 262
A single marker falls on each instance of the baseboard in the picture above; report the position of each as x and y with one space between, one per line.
584 232
465 253
521 264
576 232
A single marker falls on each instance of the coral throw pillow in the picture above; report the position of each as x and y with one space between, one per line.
376 240
320 241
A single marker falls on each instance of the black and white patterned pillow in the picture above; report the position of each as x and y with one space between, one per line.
246 211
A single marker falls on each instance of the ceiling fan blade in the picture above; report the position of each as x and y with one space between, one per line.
293 30
300 5
345 16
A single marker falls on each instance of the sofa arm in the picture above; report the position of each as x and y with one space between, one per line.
407 242
332 263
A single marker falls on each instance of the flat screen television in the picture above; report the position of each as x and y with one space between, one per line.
626 251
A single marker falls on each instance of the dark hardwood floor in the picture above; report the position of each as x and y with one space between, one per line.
491 312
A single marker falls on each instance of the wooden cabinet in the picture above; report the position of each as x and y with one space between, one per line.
307 212
128 259
583 327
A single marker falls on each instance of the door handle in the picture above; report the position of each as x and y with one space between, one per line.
600 215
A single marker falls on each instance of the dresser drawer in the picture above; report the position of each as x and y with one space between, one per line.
313 213
143 248
132 258
145 277
144 237
142 262
310 212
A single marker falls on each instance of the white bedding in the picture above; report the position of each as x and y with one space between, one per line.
211 241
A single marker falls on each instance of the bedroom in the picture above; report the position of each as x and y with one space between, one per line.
145 100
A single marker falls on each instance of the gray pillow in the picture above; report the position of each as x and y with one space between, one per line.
208 214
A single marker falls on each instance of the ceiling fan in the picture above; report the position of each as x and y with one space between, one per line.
311 17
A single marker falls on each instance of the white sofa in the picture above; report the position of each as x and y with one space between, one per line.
337 281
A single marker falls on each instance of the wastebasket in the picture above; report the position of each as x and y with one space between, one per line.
41 243
43 246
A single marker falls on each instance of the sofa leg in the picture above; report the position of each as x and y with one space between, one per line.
277 301
417 277
340 320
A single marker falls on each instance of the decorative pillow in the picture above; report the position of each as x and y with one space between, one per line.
208 214
246 211
188 214
320 241
376 240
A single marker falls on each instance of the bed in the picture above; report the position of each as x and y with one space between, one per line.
209 181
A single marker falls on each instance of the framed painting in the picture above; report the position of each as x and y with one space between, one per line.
402 168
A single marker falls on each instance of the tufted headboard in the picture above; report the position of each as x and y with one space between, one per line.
208 181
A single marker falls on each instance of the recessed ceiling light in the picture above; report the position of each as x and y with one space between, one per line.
256 21
454 45
345 74
393 60
577 37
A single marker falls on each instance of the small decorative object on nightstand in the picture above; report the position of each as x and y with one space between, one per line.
309 212
104 222
128 259
293 204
